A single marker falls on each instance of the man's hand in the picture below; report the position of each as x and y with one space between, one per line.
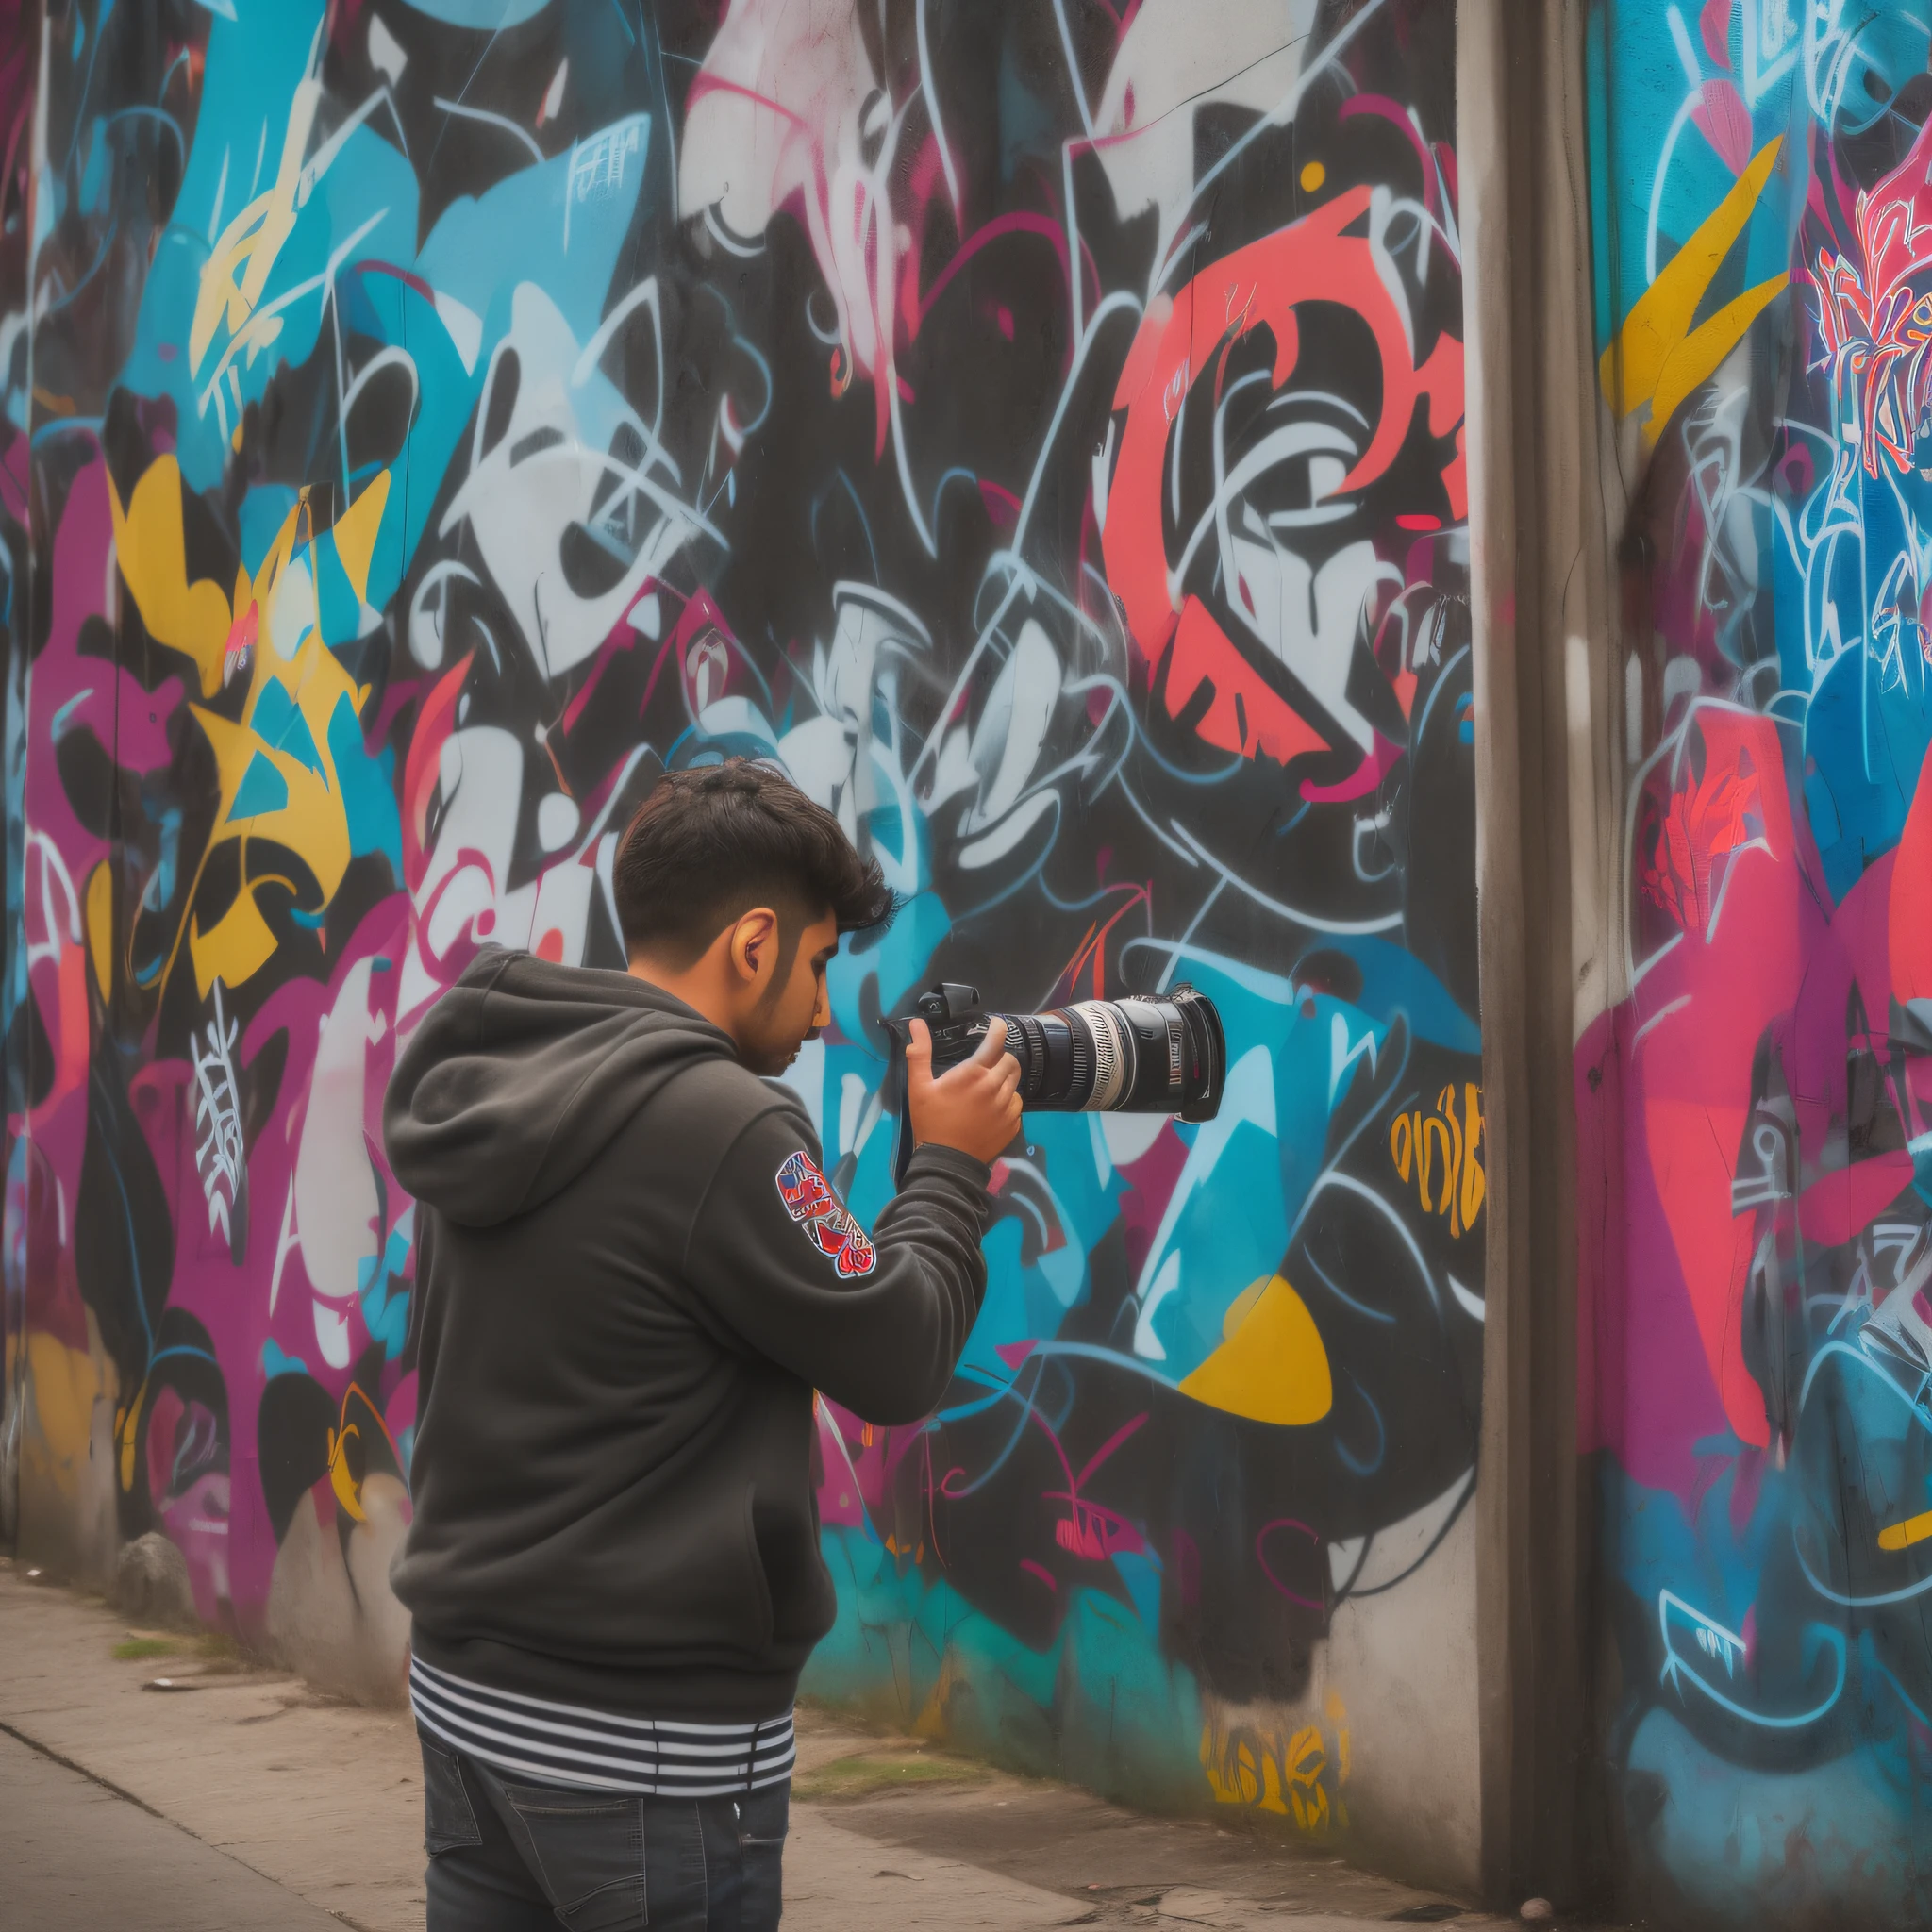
975 1107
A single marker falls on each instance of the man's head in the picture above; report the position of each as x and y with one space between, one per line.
732 890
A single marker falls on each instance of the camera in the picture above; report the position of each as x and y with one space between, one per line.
1163 1054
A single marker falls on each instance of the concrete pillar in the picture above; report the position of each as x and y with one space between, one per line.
1543 654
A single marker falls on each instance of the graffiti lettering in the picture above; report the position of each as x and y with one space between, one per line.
1294 1772
1039 430
1442 1149
1754 1171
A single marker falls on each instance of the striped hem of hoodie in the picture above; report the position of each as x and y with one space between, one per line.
596 1750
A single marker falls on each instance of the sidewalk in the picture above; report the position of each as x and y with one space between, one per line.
183 1790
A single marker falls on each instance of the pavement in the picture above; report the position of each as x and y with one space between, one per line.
179 1787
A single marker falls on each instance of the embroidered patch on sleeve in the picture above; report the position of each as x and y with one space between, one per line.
829 1225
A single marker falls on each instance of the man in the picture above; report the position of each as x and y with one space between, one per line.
631 1277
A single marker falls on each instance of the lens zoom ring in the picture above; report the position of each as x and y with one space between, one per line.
1033 1059
1080 1088
1112 1051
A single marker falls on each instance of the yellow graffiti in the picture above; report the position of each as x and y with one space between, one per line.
235 278
347 1490
197 618
68 1383
1301 1769
1272 1366
342 1478
238 268
1658 357
127 1434
1437 1145
307 818
1290 1770
100 926
1337 1713
356 531
278 775
931 1720
1902 1536
149 543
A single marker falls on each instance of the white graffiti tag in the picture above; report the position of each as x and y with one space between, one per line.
220 1155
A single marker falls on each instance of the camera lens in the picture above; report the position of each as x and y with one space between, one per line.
1163 1055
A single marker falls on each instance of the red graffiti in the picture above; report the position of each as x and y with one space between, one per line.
1184 341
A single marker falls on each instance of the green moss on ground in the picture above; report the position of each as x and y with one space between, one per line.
866 1773
138 1647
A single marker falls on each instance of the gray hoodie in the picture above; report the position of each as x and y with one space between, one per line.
630 1276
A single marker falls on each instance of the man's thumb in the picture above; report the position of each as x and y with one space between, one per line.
919 1051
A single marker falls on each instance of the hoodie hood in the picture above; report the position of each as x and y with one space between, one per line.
522 1074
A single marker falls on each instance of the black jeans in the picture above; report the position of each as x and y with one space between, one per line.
514 1857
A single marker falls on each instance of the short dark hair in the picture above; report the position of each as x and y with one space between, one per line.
711 842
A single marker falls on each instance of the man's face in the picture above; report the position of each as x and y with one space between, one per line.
795 1007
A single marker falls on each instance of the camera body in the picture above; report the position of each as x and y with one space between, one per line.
955 1020
1162 1054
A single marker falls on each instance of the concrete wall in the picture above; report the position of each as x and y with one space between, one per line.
1039 426
1755 1105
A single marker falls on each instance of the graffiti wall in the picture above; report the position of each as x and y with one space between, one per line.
1756 1109
1036 423
17 66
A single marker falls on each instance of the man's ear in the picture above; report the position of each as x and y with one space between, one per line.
754 944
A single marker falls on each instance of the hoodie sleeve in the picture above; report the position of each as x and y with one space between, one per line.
877 1320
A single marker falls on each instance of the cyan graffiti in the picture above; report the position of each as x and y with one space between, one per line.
1757 1365
1040 431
